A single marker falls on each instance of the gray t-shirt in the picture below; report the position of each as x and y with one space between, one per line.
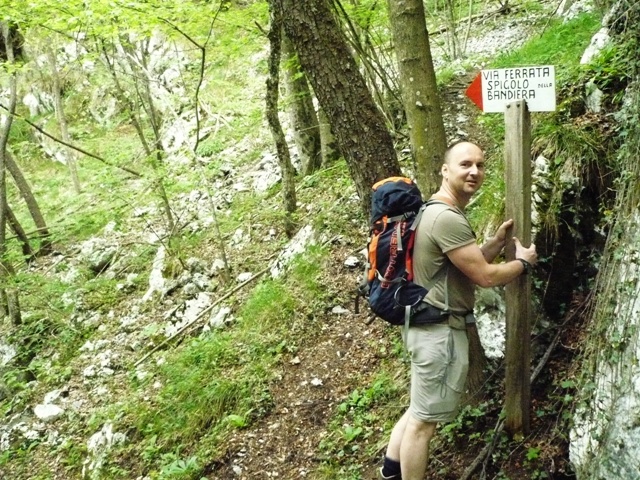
443 228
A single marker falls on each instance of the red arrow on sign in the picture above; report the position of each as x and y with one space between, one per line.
474 92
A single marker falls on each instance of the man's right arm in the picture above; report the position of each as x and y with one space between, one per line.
470 260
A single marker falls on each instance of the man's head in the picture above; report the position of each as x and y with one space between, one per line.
463 170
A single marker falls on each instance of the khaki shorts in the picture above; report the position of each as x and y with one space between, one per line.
439 366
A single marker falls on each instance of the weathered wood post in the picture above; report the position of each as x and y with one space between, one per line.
517 155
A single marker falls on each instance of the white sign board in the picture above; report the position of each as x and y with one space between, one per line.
536 85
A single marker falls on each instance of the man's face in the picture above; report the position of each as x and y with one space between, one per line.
464 170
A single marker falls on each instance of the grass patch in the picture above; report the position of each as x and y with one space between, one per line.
561 44
354 428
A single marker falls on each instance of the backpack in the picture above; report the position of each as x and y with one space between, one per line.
387 284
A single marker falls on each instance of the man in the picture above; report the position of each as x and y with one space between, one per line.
448 261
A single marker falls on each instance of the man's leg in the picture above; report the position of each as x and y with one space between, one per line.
391 466
393 449
414 448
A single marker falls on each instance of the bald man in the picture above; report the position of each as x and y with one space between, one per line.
448 259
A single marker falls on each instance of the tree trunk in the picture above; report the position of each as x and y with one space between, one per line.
27 251
355 119
419 91
328 143
306 132
6 269
451 35
16 41
62 120
288 181
32 204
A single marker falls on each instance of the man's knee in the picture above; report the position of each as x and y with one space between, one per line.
420 427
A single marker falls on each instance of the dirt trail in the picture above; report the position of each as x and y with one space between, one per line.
320 375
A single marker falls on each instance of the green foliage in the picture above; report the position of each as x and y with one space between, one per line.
210 147
178 468
101 294
337 213
21 132
574 148
307 270
220 381
464 426
354 423
368 16
211 385
208 383
445 75
561 44
610 70
72 455
271 305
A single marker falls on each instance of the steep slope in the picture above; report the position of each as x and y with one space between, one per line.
335 383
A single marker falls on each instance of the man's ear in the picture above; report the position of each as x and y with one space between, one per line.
444 169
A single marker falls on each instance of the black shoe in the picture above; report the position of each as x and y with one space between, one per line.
393 477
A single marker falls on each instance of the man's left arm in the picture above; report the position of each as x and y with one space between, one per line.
492 248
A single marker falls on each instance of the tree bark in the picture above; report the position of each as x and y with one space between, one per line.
451 34
419 91
62 120
16 41
286 168
306 132
355 119
328 143
32 204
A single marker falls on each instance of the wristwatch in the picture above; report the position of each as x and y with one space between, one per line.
526 265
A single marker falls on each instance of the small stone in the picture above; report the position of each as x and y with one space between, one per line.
48 412
338 310
52 396
352 262
243 277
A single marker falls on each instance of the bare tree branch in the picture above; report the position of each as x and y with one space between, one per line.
74 147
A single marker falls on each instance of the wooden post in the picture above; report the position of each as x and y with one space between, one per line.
517 154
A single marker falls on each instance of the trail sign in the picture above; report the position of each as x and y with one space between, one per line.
492 90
